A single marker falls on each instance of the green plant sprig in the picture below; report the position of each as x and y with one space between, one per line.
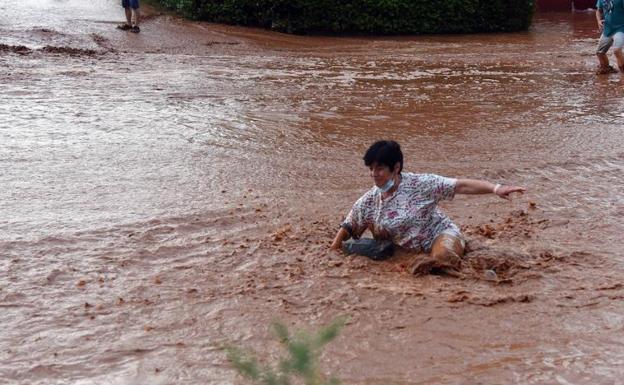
302 359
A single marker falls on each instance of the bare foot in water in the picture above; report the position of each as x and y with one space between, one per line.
606 70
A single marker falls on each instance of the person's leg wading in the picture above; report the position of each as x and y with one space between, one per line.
618 44
134 5
128 24
445 257
601 53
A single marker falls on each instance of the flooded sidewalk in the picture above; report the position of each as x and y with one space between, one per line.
168 191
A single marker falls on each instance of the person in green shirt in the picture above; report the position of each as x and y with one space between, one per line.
610 18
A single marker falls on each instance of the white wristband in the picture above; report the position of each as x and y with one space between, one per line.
498 185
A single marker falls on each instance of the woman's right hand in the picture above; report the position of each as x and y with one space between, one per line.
340 237
336 245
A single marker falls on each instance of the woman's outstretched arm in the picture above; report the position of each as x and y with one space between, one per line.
473 186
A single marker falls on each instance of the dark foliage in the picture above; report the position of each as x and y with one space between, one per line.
364 16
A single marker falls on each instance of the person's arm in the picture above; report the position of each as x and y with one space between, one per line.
340 237
473 186
355 223
600 18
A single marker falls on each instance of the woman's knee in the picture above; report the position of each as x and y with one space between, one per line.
448 250
446 243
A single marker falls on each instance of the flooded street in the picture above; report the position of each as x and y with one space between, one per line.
166 192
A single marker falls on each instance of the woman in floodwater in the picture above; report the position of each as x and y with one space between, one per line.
402 207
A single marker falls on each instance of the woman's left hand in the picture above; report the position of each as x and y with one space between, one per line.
503 191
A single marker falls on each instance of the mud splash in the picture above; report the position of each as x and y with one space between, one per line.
179 188
23 50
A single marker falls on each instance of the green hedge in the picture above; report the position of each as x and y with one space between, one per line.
364 16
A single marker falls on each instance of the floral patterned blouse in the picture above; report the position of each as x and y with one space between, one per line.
410 215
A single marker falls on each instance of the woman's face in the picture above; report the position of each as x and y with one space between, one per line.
380 174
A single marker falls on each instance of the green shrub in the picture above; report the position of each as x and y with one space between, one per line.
303 352
364 16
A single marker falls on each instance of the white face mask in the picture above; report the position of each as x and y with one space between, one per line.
386 187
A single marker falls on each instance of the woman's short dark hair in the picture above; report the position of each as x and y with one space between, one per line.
386 152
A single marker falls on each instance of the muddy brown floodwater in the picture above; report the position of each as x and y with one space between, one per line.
166 192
